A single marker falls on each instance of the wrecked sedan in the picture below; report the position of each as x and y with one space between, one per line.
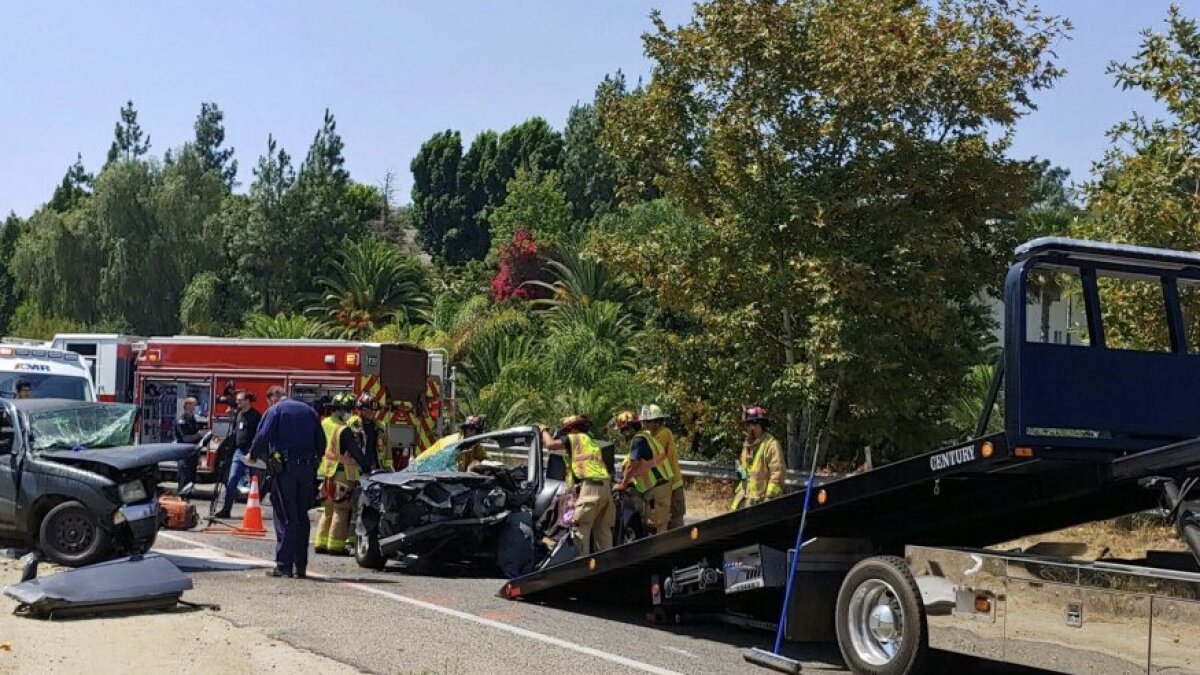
73 484
454 506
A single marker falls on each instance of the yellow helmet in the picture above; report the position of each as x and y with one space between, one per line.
625 419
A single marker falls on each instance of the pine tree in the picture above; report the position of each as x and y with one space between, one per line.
210 135
76 185
127 142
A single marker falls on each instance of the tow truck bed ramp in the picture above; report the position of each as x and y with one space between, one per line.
975 494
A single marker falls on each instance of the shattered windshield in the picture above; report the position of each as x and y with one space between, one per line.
91 425
445 459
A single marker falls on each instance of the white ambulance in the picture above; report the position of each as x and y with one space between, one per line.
30 370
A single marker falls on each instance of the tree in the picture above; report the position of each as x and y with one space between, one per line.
127 142
536 204
365 202
437 203
846 201
210 136
531 145
283 327
75 187
370 285
257 230
9 292
519 262
589 171
1146 189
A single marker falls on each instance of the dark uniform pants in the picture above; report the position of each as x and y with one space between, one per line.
294 493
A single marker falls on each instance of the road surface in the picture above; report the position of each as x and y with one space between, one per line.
391 622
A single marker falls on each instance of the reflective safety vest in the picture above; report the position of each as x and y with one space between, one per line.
327 425
443 442
660 468
586 461
334 459
757 466
667 440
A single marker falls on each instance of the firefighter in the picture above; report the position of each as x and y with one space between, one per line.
588 477
761 467
374 435
647 470
653 419
339 471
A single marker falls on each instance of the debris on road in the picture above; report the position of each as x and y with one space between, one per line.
144 582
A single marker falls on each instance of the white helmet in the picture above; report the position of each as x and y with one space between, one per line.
651 412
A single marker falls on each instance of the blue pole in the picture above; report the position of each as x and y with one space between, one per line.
787 593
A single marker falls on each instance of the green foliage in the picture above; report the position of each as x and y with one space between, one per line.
364 201
589 171
210 136
838 158
211 305
9 292
283 327
1147 186
371 284
75 187
437 202
128 143
534 203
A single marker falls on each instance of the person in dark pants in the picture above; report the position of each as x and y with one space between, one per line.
187 430
245 426
291 441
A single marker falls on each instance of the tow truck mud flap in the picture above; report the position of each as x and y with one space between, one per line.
141 582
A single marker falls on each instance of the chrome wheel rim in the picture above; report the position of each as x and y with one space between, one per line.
876 622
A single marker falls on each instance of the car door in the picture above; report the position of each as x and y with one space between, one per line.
8 472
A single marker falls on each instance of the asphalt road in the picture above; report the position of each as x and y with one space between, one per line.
392 622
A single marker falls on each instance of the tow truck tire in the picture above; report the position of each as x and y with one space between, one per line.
72 535
880 620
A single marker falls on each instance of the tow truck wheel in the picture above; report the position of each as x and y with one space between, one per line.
71 535
881 620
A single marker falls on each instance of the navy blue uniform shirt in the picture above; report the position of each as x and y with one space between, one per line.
294 429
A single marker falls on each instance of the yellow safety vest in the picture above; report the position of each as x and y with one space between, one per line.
660 468
334 459
443 442
586 461
667 440
757 484
383 449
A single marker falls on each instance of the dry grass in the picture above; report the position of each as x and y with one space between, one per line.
1125 537
707 498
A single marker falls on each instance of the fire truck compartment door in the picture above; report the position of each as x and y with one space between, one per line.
402 370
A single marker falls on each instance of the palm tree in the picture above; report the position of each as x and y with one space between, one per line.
581 280
283 327
370 285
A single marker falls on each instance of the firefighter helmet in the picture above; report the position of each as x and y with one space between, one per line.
625 420
755 414
342 401
652 413
576 422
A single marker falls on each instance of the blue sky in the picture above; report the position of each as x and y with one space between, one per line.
396 72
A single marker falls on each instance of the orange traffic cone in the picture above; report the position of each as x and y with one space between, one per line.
252 520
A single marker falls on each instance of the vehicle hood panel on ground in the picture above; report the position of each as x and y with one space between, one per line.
138 582
123 458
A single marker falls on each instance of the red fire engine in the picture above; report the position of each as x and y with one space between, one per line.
412 385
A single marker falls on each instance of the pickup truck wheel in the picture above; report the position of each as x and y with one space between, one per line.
880 621
71 535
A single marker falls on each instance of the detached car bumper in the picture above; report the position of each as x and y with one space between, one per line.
141 519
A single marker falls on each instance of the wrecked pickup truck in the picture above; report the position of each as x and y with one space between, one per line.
440 510
73 484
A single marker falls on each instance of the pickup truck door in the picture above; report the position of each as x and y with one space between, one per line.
8 473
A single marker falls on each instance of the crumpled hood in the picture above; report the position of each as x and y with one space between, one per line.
124 457
418 480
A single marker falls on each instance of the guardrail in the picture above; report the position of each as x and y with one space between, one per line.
696 469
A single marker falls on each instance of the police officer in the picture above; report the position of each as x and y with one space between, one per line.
595 513
187 430
339 471
761 467
290 439
245 426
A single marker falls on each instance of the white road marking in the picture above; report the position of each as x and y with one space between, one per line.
677 650
465 616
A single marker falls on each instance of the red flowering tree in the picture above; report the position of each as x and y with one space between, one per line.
519 261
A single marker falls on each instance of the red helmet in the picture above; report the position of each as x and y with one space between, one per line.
756 414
